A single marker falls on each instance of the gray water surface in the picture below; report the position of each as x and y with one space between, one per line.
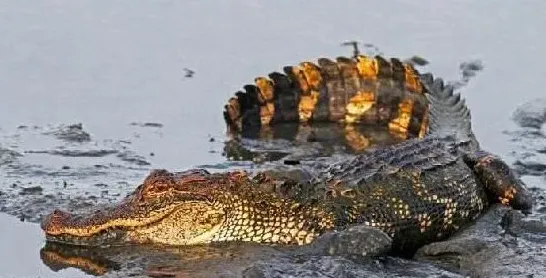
20 251
107 64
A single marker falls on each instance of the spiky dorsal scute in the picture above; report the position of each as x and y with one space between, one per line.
448 113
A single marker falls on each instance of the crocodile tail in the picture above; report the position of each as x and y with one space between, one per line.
448 113
370 90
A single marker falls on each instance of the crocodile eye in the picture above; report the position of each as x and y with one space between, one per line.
349 193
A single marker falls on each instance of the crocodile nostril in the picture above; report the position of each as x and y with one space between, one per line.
57 213
51 220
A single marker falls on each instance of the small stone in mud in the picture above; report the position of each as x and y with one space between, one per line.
31 190
291 162
531 168
531 114
133 158
75 153
514 223
8 156
71 133
156 125
468 71
417 61
470 68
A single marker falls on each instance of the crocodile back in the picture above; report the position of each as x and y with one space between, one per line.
417 191
351 91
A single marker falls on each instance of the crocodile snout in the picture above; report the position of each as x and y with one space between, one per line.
53 221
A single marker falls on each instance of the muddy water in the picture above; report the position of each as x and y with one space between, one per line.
118 67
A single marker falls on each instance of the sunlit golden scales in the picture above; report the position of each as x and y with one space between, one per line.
283 222
233 110
418 186
265 97
476 201
363 100
412 80
350 87
450 210
358 105
312 75
424 221
508 195
357 101
309 80
367 67
400 208
386 227
204 219
400 124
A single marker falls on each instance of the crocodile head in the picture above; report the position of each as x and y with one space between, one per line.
192 207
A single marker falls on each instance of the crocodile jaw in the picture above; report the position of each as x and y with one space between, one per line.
186 223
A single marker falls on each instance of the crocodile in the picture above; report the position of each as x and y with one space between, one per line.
420 190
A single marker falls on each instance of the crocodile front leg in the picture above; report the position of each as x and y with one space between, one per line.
499 180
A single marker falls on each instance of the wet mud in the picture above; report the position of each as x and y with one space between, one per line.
63 166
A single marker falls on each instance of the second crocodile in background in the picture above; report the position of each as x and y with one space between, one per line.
422 189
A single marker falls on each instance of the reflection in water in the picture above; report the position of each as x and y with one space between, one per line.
58 256
306 141
196 261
